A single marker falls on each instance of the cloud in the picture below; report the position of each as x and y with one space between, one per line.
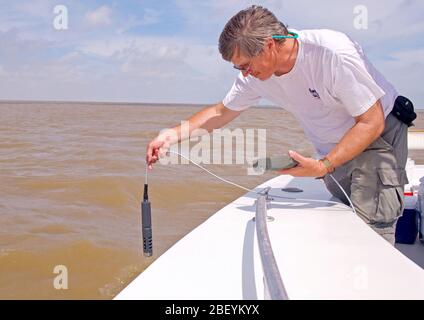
167 51
393 40
14 52
168 63
388 20
99 17
412 56
405 69
121 68
23 15
150 17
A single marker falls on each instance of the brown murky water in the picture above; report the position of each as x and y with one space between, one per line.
71 178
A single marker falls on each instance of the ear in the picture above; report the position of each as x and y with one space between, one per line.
270 44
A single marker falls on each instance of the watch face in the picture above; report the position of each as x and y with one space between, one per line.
327 164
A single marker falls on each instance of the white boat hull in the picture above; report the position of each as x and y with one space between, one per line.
323 251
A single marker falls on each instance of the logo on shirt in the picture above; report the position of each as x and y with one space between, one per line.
314 93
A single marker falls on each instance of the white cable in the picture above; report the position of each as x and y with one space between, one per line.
251 190
211 173
341 188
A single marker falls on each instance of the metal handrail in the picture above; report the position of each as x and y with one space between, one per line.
273 283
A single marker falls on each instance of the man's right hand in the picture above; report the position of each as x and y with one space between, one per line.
156 149
210 118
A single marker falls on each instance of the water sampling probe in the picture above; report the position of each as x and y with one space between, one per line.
267 164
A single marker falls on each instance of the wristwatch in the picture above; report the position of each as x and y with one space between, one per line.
328 165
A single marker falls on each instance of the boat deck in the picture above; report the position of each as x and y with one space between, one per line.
323 251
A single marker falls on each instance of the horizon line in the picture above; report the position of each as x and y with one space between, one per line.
158 104
192 104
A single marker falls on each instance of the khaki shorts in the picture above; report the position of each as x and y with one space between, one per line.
375 179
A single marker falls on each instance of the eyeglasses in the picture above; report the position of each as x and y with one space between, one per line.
292 35
247 69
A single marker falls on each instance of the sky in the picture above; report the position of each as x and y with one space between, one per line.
167 51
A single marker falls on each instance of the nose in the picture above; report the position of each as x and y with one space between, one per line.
245 73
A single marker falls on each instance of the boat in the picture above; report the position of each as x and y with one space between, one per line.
273 243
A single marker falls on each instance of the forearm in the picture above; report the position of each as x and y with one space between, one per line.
354 142
368 128
208 119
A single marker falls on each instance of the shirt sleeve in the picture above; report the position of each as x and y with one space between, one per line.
353 85
241 95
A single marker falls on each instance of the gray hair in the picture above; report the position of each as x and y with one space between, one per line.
248 30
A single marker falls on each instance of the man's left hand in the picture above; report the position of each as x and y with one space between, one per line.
307 167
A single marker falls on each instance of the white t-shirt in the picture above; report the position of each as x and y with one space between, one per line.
331 83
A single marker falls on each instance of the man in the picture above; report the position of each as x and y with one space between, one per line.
342 102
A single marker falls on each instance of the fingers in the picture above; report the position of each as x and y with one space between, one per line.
149 153
296 156
163 150
307 167
154 151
